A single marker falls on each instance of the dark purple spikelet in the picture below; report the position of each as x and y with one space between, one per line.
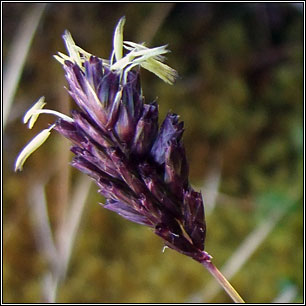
140 170
139 167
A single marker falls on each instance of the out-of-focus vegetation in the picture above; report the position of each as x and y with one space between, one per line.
240 94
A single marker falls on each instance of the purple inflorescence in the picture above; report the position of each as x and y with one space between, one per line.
141 170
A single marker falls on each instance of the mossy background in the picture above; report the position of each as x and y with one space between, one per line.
240 94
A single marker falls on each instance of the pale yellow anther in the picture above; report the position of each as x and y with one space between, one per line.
71 47
118 39
76 55
163 71
151 59
129 45
61 57
138 55
85 54
31 115
124 61
32 146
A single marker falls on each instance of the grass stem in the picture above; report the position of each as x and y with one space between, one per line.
230 290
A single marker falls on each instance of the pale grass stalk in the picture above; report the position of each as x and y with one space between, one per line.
57 253
17 56
224 283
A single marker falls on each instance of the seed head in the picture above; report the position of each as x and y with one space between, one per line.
140 169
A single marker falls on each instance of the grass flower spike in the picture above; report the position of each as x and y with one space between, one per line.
140 168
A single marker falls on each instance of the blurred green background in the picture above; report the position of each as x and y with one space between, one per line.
240 94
